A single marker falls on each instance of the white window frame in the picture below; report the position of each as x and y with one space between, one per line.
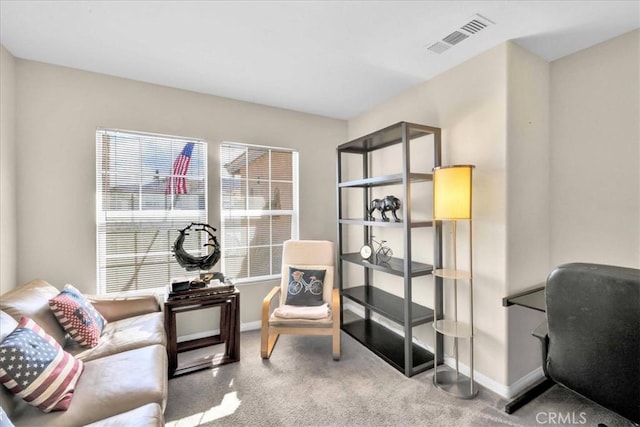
163 217
235 213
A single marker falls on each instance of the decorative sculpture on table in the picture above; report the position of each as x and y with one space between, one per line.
190 262
389 203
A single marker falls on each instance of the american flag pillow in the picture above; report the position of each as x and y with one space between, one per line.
78 316
35 367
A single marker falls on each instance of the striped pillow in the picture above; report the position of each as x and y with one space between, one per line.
35 367
78 316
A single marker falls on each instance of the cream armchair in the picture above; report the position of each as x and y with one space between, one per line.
303 255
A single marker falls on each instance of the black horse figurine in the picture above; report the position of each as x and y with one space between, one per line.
389 203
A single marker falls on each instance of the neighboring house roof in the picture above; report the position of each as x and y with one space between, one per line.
241 161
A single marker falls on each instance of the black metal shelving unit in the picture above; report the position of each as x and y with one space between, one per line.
397 350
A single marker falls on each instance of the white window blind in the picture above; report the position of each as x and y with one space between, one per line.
259 208
148 187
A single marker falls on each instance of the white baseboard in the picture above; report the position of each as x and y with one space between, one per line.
525 382
503 390
251 326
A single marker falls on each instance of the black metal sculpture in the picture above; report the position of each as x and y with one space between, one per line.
190 262
389 203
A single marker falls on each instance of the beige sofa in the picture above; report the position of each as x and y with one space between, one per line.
125 376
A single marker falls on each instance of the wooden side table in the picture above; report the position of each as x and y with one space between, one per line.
229 304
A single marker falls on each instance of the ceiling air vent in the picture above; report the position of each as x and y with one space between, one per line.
438 47
474 25
455 38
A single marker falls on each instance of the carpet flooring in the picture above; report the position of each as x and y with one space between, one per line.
302 386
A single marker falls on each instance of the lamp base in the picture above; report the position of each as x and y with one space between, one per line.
455 384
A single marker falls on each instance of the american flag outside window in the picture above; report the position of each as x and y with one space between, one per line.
177 183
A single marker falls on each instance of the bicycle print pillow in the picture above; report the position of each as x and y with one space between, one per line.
305 287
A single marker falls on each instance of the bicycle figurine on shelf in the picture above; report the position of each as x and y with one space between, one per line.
298 284
382 254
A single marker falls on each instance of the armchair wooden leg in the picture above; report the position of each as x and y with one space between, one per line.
267 338
267 342
336 345
264 343
273 338
335 307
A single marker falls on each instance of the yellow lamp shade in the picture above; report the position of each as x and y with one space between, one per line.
452 192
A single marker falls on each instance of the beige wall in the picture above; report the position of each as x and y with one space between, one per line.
58 111
469 103
577 198
8 234
595 144
527 201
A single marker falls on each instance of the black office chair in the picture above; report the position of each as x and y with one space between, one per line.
592 342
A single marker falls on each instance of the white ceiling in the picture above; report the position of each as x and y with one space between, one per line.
333 58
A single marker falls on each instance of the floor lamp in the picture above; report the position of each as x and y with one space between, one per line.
452 195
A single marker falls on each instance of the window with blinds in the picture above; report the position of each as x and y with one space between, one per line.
148 187
259 208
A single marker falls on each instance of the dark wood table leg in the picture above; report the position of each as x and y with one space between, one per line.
234 331
230 330
172 345
224 323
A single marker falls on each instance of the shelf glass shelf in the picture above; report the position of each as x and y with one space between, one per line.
452 274
394 266
388 305
452 328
